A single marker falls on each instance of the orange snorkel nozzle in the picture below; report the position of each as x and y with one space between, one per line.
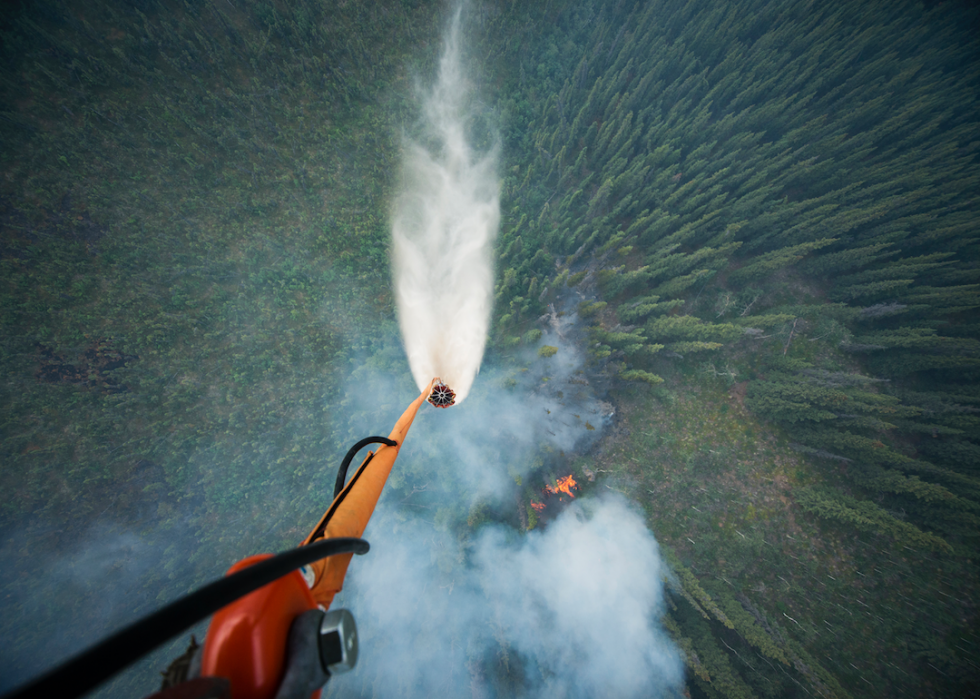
246 641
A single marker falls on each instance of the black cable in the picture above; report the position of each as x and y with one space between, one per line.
86 670
341 489
345 464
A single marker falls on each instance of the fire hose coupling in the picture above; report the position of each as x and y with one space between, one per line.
338 641
442 396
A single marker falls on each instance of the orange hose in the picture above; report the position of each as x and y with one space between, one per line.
352 509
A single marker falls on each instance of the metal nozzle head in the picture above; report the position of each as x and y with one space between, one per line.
442 396
338 641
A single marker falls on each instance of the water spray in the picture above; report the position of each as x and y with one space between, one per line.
444 223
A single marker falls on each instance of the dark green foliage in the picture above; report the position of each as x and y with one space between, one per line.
640 375
839 174
793 401
865 515
764 265
638 309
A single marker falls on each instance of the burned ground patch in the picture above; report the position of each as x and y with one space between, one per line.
92 367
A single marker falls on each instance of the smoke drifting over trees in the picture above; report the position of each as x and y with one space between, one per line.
574 609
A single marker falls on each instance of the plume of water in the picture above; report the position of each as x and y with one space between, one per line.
444 221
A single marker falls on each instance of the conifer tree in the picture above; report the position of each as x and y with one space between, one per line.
770 262
864 514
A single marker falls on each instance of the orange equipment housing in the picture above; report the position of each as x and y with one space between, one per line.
246 641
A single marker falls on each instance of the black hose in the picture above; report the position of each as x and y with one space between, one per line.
345 464
339 492
86 670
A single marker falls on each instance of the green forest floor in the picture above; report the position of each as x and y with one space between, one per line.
717 486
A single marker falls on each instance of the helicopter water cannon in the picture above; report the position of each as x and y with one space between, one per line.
247 640
272 634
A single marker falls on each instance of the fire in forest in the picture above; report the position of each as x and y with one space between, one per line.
563 486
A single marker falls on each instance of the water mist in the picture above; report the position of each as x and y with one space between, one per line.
444 222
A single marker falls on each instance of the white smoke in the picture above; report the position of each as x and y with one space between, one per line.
582 602
59 601
572 611
444 222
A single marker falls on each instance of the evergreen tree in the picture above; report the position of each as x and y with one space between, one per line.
768 263
864 514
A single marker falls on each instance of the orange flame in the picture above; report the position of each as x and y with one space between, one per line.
538 506
563 485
